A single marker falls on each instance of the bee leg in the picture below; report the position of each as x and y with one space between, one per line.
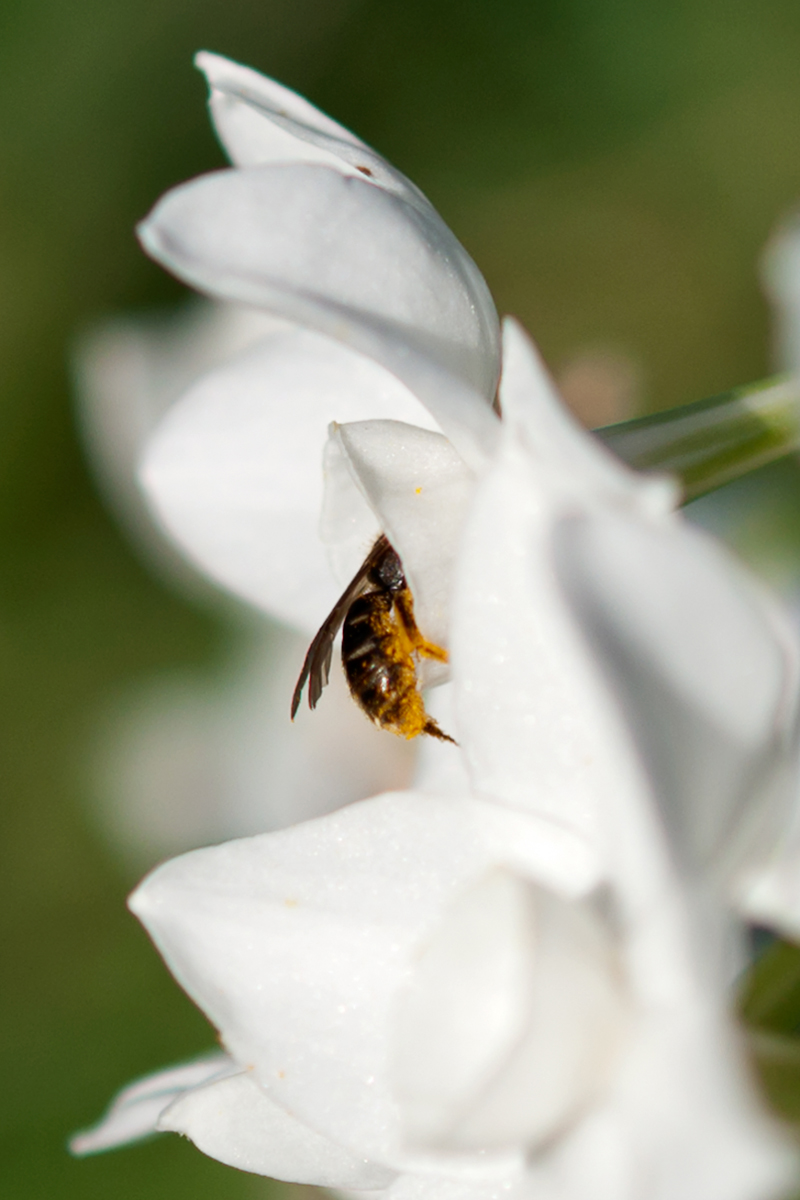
431 650
430 727
404 603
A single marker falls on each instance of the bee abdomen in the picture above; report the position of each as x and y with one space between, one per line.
365 626
381 676
384 690
375 681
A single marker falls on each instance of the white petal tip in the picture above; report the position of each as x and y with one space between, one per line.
146 236
144 900
204 60
99 1139
83 1144
520 353
167 1124
135 1113
213 66
117 1128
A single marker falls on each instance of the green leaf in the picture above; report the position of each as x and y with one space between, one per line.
769 998
776 1058
712 442
769 1003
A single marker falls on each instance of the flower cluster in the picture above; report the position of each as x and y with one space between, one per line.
510 978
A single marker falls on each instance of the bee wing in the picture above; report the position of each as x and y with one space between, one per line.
317 664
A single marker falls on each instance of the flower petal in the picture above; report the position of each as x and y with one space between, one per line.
440 766
533 713
690 648
510 1021
294 943
234 1120
599 620
513 1184
341 256
259 121
543 728
419 490
696 1134
770 896
234 472
128 373
136 1110
683 638
554 439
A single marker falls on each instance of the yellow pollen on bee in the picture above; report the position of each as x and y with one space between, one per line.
418 491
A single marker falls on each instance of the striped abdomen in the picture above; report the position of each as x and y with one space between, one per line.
380 670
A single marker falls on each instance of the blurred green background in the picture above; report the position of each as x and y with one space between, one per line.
614 167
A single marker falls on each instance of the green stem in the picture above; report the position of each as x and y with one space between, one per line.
712 442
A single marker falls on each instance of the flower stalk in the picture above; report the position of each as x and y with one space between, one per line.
715 441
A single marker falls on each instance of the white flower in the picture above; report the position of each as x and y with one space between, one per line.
507 989
235 471
512 978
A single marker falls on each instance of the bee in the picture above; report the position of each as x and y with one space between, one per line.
380 640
